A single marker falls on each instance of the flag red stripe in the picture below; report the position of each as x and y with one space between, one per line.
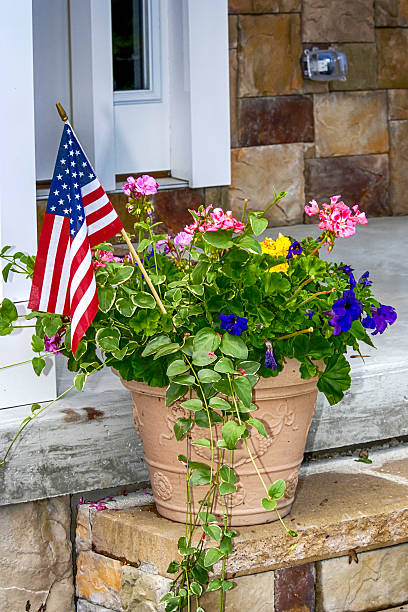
97 214
63 245
84 323
81 289
94 195
40 262
106 232
79 256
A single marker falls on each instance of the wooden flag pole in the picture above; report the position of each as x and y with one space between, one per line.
64 118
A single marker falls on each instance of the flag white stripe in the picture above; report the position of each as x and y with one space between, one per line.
64 281
82 306
101 223
83 268
78 240
49 266
99 203
89 187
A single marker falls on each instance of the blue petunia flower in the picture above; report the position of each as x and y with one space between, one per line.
270 361
381 317
233 324
345 310
309 313
363 280
294 249
349 271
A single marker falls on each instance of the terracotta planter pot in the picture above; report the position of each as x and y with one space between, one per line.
285 405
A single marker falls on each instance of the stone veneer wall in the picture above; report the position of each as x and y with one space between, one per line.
310 138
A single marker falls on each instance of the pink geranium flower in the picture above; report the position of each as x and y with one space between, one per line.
144 185
215 220
337 217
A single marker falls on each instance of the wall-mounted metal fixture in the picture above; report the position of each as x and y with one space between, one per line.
324 64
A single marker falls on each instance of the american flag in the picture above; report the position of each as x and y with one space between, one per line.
79 216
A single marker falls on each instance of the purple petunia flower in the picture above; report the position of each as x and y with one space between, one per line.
345 310
233 324
349 271
270 361
52 345
363 280
182 239
381 317
294 249
309 313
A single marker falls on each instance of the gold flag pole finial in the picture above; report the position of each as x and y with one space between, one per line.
61 112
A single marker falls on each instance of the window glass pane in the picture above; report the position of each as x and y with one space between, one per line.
129 44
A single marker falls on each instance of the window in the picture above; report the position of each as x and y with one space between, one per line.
136 51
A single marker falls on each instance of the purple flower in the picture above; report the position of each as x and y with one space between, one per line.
349 271
233 324
363 280
52 345
270 361
381 317
182 239
309 313
345 310
165 244
294 249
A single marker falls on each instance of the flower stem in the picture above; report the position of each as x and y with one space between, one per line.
298 290
302 331
315 295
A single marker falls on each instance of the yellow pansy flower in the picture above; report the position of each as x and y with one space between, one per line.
277 248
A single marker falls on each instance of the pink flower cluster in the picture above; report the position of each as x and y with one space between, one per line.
337 217
106 257
144 185
215 220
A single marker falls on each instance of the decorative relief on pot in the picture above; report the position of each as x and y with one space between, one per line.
291 484
162 486
176 411
137 418
237 498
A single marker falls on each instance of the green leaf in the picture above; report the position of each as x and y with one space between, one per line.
269 504
250 243
173 347
277 489
202 442
79 381
35 408
199 272
207 517
206 340
173 567
335 379
226 488
196 588
120 274
143 300
51 324
214 585
243 389
38 364
106 297
117 353
226 585
212 555
37 344
202 358
192 404
143 244
6 271
228 475
259 426
200 574
183 548
258 224
184 379
217 403
154 344
307 369
107 338
250 367
200 476
231 433
177 367
221 239
208 376
360 333
234 346
8 311
172 604
213 531
125 307
277 283
226 545
224 365
174 392
181 427
363 460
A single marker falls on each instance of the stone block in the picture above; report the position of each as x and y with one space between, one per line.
379 579
264 6
217 196
361 179
295 588
83 534
275 120
350 123
256 171
338 21
35 556
98 580
270 49
233 31
171 207
399 167
251 594
233 84
141 592
391 13
392 44
362 67
397 104
86 606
